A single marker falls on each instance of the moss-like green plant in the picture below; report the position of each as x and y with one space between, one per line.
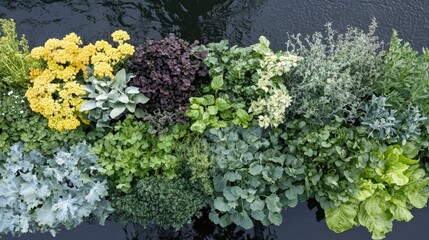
162 201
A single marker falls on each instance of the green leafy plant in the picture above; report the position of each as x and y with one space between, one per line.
404 77
20 124
335 75
387 193
14 57
334 156
161 201
130 152
387 124
111 98
253 178
44 194
245 80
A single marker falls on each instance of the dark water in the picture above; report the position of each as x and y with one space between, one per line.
240 21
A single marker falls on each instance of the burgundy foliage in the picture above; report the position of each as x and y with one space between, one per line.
168 72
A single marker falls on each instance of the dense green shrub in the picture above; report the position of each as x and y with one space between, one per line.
40 193
387 192
167 71
335 75
19 123
14 57
162 201
244 81
404 77
130 152
253 178
109 99
334 156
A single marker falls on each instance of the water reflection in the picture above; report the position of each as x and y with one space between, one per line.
200 229
205 20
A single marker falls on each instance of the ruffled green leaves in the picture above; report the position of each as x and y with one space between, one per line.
386 193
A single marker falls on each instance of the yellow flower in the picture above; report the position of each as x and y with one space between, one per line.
120 36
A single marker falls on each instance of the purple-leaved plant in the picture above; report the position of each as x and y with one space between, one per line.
168 72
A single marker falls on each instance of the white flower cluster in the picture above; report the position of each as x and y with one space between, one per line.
272 109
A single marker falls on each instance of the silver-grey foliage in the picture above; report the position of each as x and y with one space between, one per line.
336 73
40 194
109 99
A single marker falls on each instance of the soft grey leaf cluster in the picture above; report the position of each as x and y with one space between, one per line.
45 194
382 121
335 74
109 99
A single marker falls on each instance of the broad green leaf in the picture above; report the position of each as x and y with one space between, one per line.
212 110
221 205
273 203
88 105
217 82
256 169
242 219
341 218
257 204
141 98
117 111
395 174
222 104
198 126
275 218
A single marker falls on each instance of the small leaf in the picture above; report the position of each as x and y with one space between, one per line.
217 82
123 98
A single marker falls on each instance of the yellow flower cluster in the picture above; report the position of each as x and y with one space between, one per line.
56 92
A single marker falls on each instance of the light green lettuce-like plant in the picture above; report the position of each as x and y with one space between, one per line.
335 75
388 192
253 178
14 57
45 194
109 99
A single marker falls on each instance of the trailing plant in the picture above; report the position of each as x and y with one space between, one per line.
110 99
20 124
253 178
130 152
404 77
335 75
159 200
385 123
14 57
334 156
45 194
387 192
168 71
248 78
56 91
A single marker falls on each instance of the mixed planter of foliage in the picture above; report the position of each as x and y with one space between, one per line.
156 133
